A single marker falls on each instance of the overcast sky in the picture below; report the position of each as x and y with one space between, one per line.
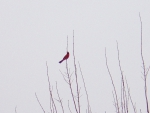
33 32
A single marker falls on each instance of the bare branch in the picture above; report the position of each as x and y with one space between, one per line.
59 98
130 97
69 82
114 101
50 92
77 84
147 71
69 107
116 98
85 89
123 95
70 86
39 103
144 69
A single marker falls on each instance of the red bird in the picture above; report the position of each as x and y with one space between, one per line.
65 57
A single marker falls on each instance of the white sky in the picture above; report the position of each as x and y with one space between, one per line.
33 32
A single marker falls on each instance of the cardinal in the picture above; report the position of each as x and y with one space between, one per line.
65 57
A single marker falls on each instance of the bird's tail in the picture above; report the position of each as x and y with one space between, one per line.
61 61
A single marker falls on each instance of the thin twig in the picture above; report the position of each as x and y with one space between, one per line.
85 89
70 85
147 70
50 91
70 82
59 98
123 85
69 107
77 84
121 96
144 69
64 77
39 103
130 97
114 102
112 83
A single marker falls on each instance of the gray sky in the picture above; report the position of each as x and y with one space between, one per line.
33 32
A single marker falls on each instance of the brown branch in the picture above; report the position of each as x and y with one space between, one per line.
144 69
39 103
116 98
